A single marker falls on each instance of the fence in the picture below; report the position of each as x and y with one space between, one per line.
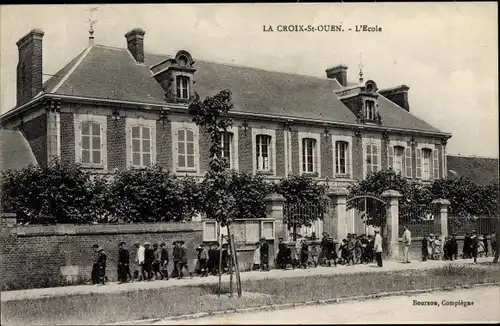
366 211
420 219
465 224
304 219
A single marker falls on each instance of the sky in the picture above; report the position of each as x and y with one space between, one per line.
447 53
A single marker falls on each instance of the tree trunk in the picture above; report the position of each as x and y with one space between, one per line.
221 237
230 266
236 265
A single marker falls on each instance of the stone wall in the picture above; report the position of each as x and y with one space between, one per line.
50 255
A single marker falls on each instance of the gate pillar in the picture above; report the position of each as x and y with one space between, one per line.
274 209
335 222
392 222
441 220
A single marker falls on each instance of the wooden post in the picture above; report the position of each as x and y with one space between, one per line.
229 240
220 262
236 266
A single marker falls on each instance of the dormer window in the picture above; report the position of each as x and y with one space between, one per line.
370 110
182 87
182 61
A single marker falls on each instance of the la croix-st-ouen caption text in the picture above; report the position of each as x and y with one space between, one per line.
291 28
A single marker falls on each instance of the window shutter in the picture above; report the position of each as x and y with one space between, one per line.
436 164
79 149
408 167
101 139
347 149
375 154
130 145
419 162
390 158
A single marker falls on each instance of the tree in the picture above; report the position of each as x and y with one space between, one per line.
57 193
249 192
305 200
153 194
219 203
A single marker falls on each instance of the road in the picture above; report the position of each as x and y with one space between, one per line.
484 309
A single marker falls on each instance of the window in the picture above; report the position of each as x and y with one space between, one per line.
91 143
308 155
182 87
372 157
397 164
341 157
185 149
141 146
408 162
370 110
435 163
418 160
227 147
426 163
263 150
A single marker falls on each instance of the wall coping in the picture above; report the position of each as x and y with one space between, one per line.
391 194
441 201
243 219
337 192
91 229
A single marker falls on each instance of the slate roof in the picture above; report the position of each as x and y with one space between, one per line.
107 72
481 170
15 151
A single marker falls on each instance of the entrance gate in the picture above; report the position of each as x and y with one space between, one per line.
364 214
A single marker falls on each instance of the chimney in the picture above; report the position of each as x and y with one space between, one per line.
29 66
398 95
135 43
339 73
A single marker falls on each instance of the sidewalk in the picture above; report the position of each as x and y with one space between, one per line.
389 266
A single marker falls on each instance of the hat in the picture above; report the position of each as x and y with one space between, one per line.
122 243
147 243
262 238
178 241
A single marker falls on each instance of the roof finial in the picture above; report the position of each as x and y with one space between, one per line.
360 67
92 23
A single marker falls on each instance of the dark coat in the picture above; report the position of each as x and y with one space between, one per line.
149 256
164 256
123 256
101 259
264 253
425 250
179 254
282 251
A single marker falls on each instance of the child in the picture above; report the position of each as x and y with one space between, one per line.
425 251
370 247
204 260
304 254
156 262
256 257
314 253
344 252
480 246
197 268
358 249
163 261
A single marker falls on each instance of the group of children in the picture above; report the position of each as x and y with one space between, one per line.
310 252
151 260
475 245
209 259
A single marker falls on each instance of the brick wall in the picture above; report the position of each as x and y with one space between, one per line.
117 155
280 153
164 145
67 137
357 158
40 256
35 131
204 150
326 157
245 149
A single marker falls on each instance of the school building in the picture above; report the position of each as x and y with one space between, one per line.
123 108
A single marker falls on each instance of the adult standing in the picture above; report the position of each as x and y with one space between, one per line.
101 266
406 244
378 248
475 245
149 258
281 259
324 250
425 250
264 254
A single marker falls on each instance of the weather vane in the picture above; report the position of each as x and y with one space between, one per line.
92 23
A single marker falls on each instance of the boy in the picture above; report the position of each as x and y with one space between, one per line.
203 260
314 253
281 259
344 252
123 263
256 257
304 254
425 249
351 246
453 247
149 258
264 255
157 261
140 261
95 255
101 266
358 248
164 261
